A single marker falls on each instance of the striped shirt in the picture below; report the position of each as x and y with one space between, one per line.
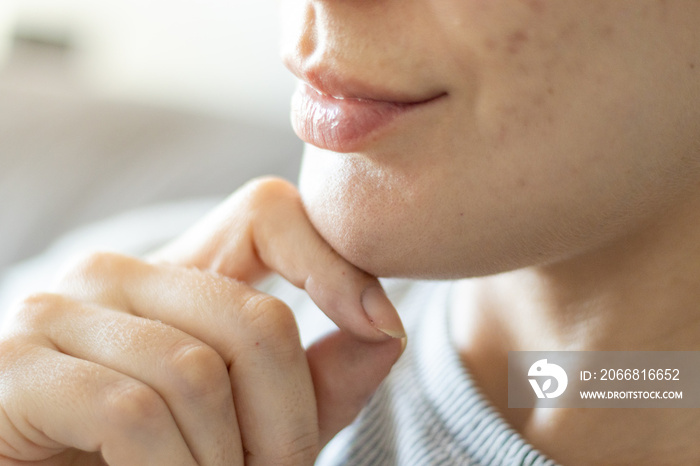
429 411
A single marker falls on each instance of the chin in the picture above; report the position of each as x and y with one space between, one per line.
387 241
357 235
365 214
377 220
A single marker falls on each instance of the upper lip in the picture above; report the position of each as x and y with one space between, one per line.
331 84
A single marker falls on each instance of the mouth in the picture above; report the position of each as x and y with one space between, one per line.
346 117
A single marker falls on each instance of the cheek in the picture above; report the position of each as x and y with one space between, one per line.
524 60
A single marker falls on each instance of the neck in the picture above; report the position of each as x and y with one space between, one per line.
641 292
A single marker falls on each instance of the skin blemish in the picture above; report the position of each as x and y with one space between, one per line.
516 40
535 5
691 65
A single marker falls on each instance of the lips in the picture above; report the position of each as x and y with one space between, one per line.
346 117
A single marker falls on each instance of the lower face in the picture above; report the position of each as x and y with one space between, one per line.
557 126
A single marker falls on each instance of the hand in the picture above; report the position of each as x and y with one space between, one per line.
179 361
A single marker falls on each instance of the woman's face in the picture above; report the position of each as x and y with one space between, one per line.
477 136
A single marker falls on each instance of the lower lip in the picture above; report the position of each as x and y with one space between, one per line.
343 125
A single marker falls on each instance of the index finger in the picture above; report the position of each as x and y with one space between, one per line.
263 227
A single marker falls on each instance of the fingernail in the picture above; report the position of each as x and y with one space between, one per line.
381 313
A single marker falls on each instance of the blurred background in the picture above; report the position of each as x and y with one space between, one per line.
110 105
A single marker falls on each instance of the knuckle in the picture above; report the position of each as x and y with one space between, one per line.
271 320
196 370
262 190
95 263
12 350
133 405
91 276
38 309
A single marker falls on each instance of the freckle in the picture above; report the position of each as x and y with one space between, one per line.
691 65
461 214
522 182
550 90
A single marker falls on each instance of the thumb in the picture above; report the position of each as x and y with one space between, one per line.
346 372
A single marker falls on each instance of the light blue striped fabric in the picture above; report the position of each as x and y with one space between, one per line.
429 412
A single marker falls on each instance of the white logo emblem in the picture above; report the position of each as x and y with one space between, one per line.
552 371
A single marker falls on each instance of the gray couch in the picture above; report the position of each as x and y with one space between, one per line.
68 158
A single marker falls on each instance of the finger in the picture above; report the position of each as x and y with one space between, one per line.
346 372
52 399
256 335
190 376
264 226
